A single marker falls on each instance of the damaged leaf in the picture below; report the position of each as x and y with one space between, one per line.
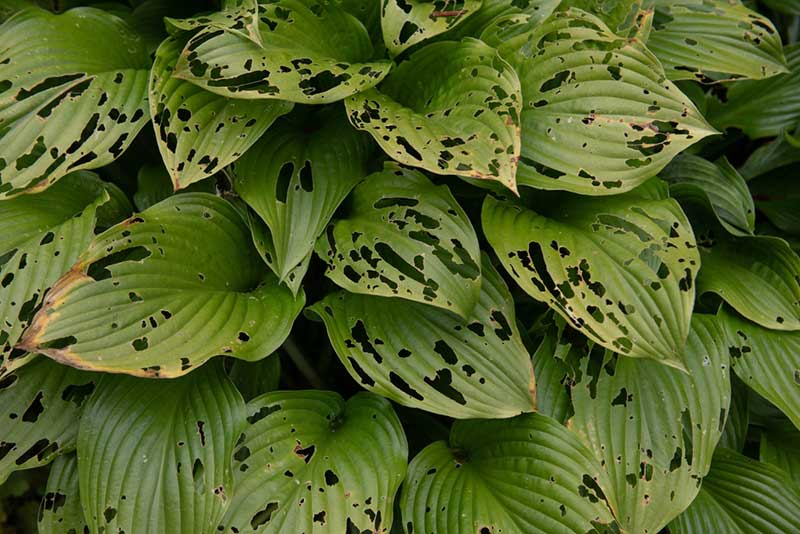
60 511
408 22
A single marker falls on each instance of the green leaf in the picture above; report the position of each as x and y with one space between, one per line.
654 428
40 408
309 462
295 179
405 237
705 39
73 100
42 236
598 119
61 510
492 13
146 300
742 496
780 446
790 7
254 378
777 197
772 155
199 132
768 361
715 184
550 367
407 22
308 56
451 108
527 474
421 356
620 269
620 15
153 185
147 19
155 455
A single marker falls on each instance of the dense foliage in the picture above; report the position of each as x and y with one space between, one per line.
400 266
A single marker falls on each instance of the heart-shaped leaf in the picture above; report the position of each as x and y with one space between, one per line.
74 100
405 237
527 474
620 269
199 132
155 455
424 357
407 22
312 54
60 510
309 462
146 299
451 108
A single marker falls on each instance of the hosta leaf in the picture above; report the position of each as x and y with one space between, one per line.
200 132
550 368
717 184
492 13
620 269
408 238
310 462
528 474
60 511
408 22
240 18
312 53
73 100
734 435
42 236
153 185
424 357
599 119
155 455
147 19
451 108
146 299
654 428
619 15
767 361
742 496
295 179
777 196
40 408
254 378
702 39
777 153
780 446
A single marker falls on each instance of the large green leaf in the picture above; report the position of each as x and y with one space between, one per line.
199 132
451 108
620 15
295 179
155 455
598 118
310 462
620 269
528 474
768 361
780 446
72 94
424 357
742 496
405 23
405 237
163 292
60 511
496 12
550 367
311 53
42 236
702 39
40 408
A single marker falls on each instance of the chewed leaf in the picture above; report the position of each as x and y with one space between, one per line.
496 13
620 15
310 462
408 22
528 474
424 357
405 237
199 132
599 117
620 269
451 108
74 100
312 54
241 20
145 300
60 510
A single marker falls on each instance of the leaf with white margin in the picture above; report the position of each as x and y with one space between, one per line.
423 357
599 117
164 291
199 132
450 108
620 269
310 462
155 455
60 510
527 474
41 405
312 54
405 237
405 23
62 108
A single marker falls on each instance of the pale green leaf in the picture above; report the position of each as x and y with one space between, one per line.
405 23
60 511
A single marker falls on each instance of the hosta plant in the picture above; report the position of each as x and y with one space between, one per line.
400 266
